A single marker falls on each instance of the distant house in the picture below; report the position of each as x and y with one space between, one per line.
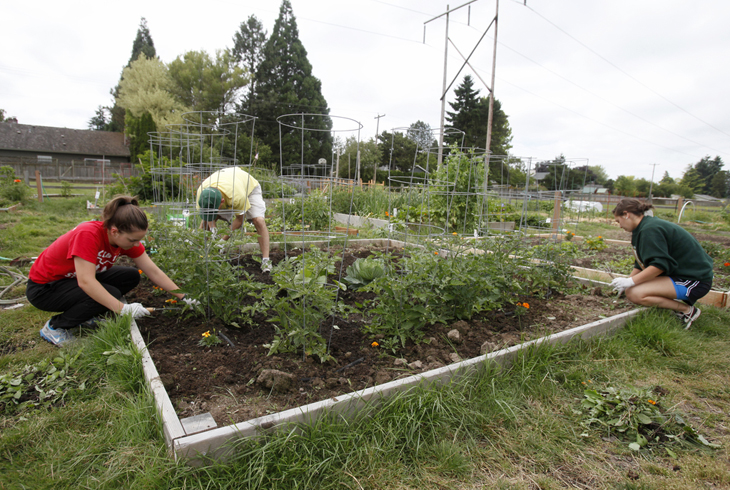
62 152
62 144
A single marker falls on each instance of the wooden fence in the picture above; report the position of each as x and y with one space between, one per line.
87 170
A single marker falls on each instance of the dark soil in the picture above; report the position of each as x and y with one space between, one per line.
223 379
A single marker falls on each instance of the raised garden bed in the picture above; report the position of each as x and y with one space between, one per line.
236 382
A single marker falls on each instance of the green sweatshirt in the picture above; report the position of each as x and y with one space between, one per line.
669 247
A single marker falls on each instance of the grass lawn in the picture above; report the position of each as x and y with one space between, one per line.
521 428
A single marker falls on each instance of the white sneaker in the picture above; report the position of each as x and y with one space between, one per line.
266 265
55 336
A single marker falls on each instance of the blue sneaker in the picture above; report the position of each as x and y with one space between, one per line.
55 336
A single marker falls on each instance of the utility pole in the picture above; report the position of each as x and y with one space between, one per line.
651 185
377 129
490 119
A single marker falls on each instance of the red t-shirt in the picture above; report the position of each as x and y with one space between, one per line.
88 241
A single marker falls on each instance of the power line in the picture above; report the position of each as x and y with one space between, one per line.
588 91
624 72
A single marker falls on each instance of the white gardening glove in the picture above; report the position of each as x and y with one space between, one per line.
621 283
134 309
190 301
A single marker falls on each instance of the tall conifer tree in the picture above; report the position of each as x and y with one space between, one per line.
248 50
471 115
285 85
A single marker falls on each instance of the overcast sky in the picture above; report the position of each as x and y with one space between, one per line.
619 83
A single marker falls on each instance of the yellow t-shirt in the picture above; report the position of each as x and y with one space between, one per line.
235 184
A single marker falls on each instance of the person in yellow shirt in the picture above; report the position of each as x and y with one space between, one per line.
234 192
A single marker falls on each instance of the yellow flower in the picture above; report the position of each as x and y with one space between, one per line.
374 344
170 301
454 233
206 334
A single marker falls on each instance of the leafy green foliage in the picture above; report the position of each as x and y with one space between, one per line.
11 189
301 302
217 284
45 383
636 415
595 243
364 271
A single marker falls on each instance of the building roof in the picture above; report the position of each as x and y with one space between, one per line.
46 139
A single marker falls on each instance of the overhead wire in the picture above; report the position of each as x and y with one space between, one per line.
624 72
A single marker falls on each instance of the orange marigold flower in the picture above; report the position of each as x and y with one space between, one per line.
170 301
386 213
526 305
17 180
599 236
727 264
140 272
374 344
652 402
206 334
454 233
435 253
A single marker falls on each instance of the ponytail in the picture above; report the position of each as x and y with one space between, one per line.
633 206
124 214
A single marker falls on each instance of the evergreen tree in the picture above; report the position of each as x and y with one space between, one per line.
285 85
100 121
142 44
138 129
248 50
471 115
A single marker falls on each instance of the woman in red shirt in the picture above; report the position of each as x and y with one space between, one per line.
76 274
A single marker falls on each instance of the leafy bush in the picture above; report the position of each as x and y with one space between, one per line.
11 189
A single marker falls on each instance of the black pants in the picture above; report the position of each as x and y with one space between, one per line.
66 296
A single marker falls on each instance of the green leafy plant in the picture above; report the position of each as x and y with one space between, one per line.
209 339
595 243
637 416
194 261
45 383
364 271
11 189
66 188
569 235
301 302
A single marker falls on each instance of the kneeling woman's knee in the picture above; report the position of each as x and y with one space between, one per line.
632 295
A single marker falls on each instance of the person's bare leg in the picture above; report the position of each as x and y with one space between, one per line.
263 238
658 292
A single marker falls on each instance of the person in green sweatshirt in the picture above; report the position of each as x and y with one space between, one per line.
671 269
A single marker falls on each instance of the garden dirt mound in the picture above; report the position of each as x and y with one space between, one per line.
236 381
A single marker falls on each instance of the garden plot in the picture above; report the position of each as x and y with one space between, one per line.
240 379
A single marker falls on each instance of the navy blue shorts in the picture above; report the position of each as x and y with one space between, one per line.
690 291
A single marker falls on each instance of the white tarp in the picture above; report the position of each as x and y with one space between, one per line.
584 206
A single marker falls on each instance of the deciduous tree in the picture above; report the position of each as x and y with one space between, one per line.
206 84
146 87
142 45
